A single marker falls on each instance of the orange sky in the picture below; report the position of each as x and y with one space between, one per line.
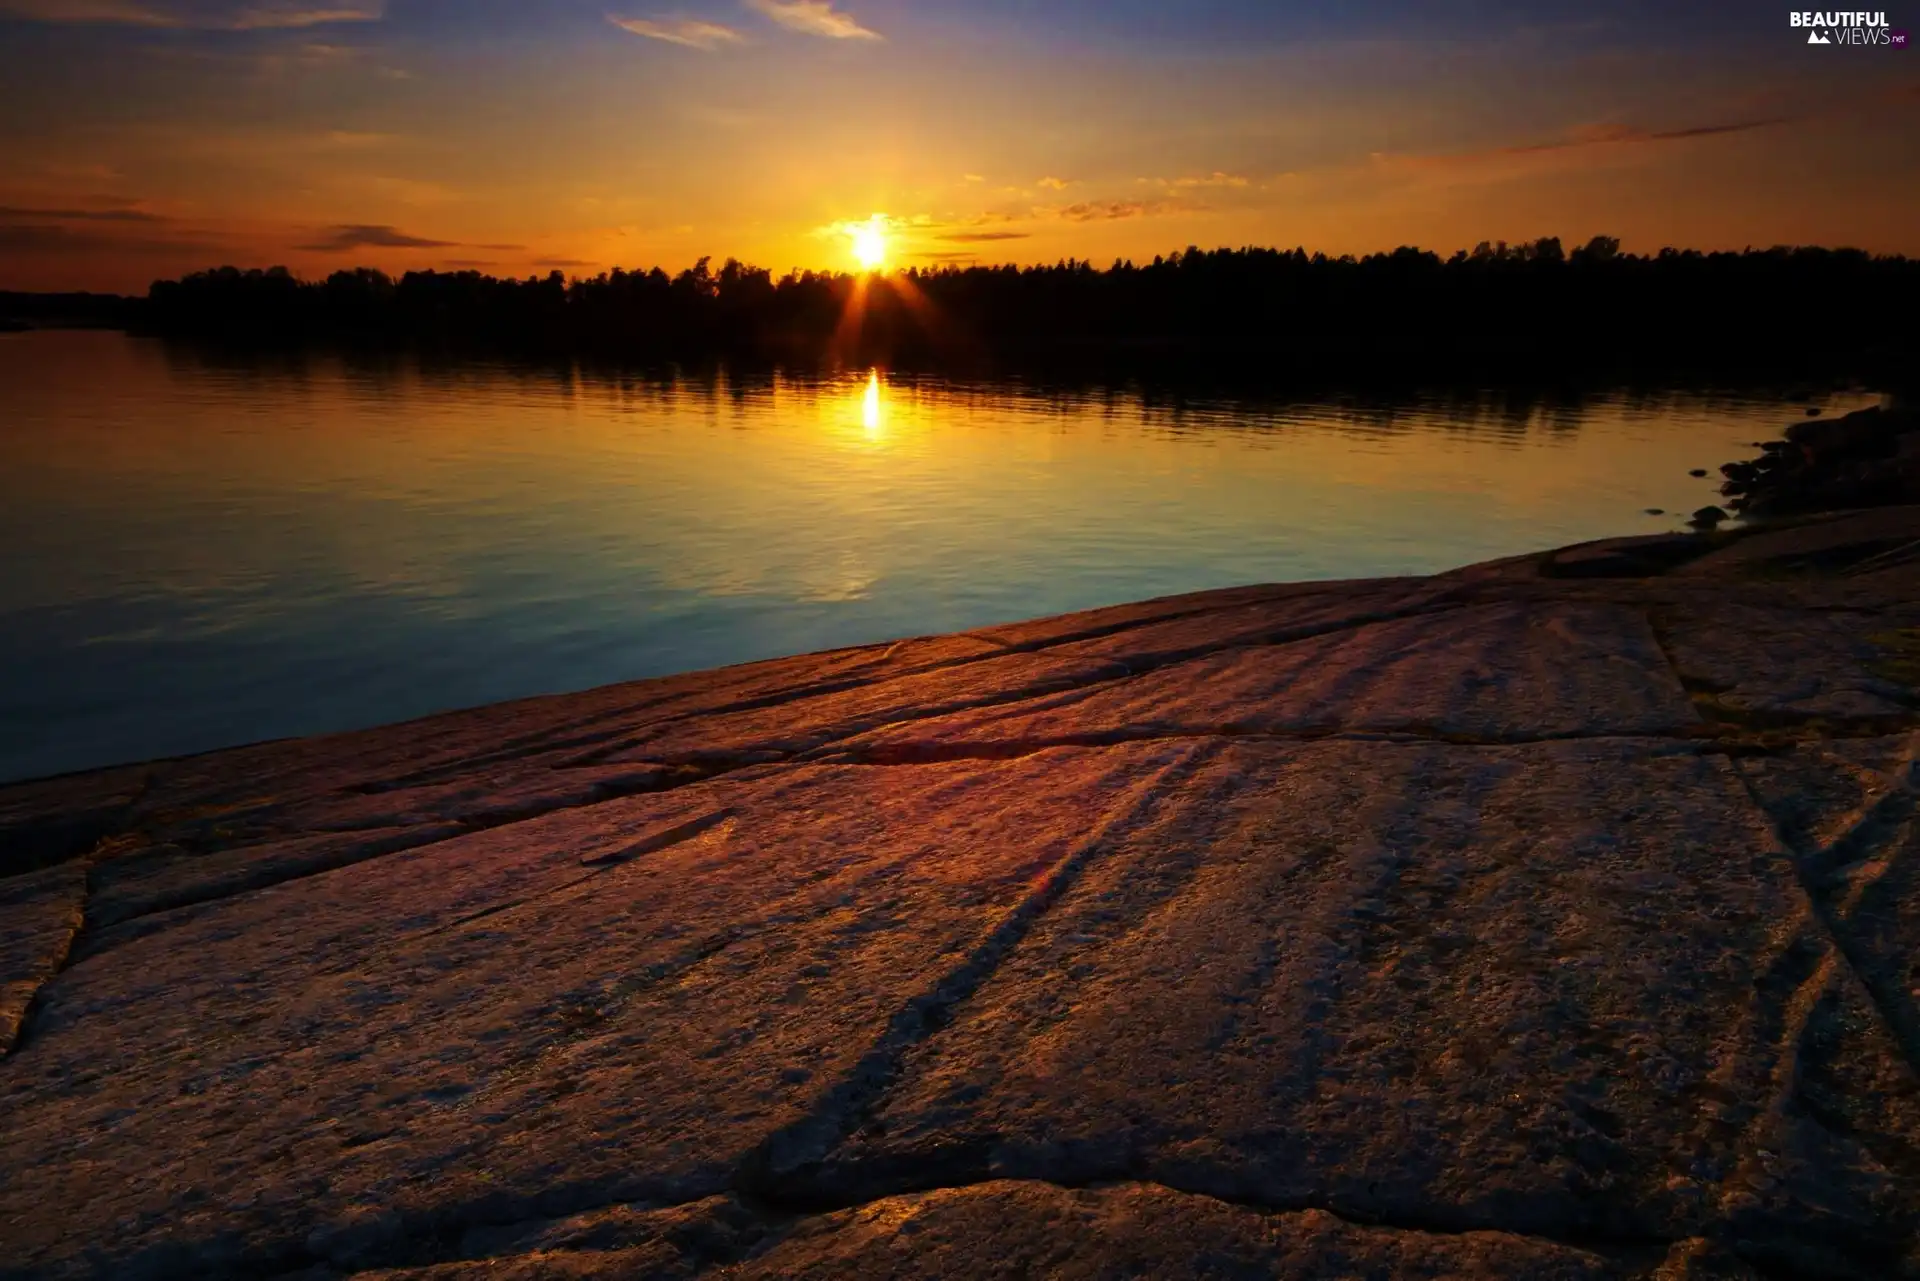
144 138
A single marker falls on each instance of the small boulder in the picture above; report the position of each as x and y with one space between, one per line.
1708 517
1698 471
1656 511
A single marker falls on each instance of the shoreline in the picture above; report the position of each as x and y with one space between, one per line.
1609 556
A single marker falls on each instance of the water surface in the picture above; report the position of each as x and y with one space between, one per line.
202 552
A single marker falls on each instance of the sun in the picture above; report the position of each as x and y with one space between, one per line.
870 243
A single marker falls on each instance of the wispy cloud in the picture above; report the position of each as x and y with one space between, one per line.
281 17
1587 137
1056 184
849 227
35 237
1603 135
212 15
372 236
690 32
1214 179
815 18
11 213
78 11
982 237
1113 210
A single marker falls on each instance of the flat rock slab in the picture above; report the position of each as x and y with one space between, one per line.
1009 1229
1853 541
1543 988
612 1003
1071 665
1497 671
40 917
1637 557
1778 665
1537 919
1013 1229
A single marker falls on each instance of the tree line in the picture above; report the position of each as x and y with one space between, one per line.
1533 302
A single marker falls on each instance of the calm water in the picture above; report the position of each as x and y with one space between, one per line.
199 554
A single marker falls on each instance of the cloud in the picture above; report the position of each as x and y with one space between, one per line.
564 262
282 17
1597 137
10 213
690 32
1214 179
41 238
850 227
85 11
980 237
1057 184
212 15
971 177
361 236
1607 135
1590 136
815 18
1113 210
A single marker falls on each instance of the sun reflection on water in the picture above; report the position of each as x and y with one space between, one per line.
872 415
321 543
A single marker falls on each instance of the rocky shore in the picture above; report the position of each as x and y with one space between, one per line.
1555 917
1866 459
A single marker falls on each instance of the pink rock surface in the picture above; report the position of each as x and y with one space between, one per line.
1489 924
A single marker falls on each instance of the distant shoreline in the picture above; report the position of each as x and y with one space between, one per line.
1506 312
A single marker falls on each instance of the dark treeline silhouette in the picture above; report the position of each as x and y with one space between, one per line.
1519 306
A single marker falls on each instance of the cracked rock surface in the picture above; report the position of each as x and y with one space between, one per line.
1555 917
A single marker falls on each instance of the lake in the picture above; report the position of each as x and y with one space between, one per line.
202 550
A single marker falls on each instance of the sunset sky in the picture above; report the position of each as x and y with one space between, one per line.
145 138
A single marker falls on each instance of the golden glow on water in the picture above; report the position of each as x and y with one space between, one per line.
209 550
870 409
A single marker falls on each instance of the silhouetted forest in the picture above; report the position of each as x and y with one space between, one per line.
1527 306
